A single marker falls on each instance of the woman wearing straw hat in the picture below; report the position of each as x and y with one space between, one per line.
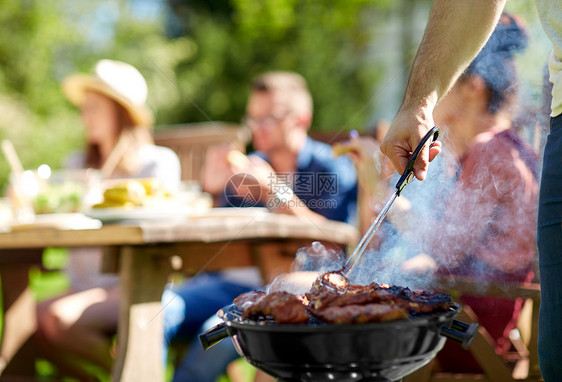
118 124
73 328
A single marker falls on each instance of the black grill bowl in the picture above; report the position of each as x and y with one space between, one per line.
385 351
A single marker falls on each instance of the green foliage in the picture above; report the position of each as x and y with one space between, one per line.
247 371
41 42
325 41
55 258
35 114
201 74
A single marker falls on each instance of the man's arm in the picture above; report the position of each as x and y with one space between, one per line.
455 33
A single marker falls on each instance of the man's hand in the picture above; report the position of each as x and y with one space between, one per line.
405 133
455 33
263 173
216 169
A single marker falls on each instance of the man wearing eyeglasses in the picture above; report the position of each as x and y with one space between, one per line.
288 173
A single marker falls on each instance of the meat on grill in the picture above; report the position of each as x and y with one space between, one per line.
357 314
359 304
321 297
420 301
247 299
283 307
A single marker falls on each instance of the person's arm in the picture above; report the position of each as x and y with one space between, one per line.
272 192
221 163
455 33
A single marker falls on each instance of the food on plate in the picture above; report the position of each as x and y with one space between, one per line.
359 304
154 188
237 158
130 192
133 193
64 198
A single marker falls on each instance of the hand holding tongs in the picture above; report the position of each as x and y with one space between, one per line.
338 280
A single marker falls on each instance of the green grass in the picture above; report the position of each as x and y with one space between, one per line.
55 282
247 370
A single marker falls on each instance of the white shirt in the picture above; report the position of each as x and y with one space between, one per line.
550 13
84 264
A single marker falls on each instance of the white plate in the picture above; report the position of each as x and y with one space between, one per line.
58 220
114 215
228 212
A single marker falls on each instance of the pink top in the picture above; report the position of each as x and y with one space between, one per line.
495 204
490 216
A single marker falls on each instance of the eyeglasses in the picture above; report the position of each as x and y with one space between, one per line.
265 122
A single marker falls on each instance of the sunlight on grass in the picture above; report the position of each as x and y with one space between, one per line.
243 370
55 258
54 281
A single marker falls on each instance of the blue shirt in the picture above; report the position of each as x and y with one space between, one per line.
326 185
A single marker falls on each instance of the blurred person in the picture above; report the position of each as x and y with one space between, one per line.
364 152
439 61
279 114
482 226
289 173
78 325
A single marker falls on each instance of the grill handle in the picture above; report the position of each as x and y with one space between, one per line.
461 332
213 336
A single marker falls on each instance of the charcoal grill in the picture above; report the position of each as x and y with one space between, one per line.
382 351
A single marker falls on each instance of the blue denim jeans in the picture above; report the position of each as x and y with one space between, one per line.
188 311
205 365
549 239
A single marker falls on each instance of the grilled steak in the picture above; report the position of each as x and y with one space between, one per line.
356 314
321 297
359 304
247 299
283 307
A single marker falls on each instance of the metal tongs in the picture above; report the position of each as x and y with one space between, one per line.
338 280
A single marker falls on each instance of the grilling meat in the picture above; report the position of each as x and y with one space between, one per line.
357 314
416 301
321 297
359 304
248 299
283 307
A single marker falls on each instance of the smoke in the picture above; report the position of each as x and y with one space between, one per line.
455 237
385 264
451 226
318 258
309 263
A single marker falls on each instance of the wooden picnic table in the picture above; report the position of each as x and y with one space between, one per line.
145 253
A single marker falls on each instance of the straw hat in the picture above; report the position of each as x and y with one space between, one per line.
117 80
